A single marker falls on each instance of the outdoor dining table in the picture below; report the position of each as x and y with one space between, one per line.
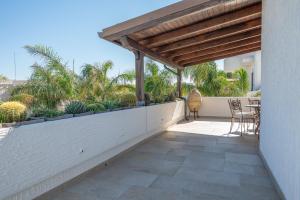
257 116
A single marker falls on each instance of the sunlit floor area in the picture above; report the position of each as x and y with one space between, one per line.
192 160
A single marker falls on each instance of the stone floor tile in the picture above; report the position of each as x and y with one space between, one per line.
256 180
209 176
249 159
142 193
193 160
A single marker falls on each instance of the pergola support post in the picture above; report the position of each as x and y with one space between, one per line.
179 77
139 83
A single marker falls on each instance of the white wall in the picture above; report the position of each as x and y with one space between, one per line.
251 62
257 71
36 158
218 106
280 127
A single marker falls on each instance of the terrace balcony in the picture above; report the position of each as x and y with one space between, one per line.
122 155
191 160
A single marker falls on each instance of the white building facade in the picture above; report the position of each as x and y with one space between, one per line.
251 62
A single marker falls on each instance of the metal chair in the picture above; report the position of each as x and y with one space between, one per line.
256 114
238 113
253 111
253 102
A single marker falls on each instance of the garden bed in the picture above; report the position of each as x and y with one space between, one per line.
34 120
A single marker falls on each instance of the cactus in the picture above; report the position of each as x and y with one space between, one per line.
128 100
75 107
25 99
12 111
95 107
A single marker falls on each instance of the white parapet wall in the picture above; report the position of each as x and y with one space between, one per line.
39 157
219 107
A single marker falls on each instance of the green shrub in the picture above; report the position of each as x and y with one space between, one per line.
158 99
170 97
46 112
12 111
128 100
95 107
25 99
110 104
75 107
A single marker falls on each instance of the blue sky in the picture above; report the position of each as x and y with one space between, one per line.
68 26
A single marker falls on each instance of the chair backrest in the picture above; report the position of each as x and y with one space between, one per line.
235 106
253 102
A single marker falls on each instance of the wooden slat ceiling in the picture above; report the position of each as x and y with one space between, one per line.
192 31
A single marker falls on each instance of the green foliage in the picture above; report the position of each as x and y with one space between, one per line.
205 77
128 100
75 107
95 107
159 99
12 111
186 88
50 81
95 83
213 82
25 99
158 82
46 112
170 97
242 80
110 104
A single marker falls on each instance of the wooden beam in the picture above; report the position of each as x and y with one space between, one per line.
216 49
204 26
222 56
221 33
131 44
162 15
238 49
139 80
199 47
179 77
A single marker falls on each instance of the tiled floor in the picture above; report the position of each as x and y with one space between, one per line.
193 160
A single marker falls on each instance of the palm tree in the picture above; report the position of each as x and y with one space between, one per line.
242 80
205 78
158 82
50 81
95 84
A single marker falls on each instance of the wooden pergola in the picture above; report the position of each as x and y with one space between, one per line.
189 32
